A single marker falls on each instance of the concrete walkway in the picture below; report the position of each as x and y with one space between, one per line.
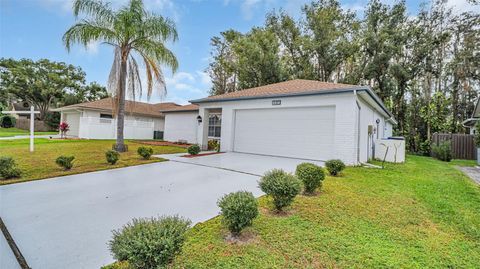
28 136
472 172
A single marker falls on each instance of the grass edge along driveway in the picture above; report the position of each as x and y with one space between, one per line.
89 156
421 214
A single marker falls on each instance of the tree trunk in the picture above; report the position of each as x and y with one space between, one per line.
120 145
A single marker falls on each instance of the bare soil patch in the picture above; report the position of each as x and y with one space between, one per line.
164 143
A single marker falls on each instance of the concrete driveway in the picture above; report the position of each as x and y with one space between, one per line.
66 222
241 162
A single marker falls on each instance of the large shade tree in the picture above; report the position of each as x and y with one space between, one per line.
133 32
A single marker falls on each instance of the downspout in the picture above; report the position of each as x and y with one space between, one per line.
358 126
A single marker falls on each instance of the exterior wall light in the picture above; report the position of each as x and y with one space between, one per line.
199 119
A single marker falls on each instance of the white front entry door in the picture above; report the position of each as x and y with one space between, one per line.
303 132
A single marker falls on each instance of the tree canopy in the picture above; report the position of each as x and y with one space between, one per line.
133 32
425 66
45 84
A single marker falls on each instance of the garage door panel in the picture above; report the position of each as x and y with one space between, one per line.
292 132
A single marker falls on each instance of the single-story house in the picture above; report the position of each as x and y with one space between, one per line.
94 120
299 118
472 122
181 124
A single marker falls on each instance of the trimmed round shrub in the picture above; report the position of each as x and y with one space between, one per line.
7 121
66 162
311 175
334 167
281 186
112 156
238 210
193 149
145 152
8 168
149 242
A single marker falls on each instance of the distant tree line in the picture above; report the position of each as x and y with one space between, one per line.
426 68
45 84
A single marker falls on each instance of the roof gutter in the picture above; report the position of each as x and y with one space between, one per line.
366 89
178 111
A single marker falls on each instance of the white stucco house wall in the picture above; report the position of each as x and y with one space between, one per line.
181 124
95 120
303 119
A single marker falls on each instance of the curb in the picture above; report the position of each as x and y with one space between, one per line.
16 251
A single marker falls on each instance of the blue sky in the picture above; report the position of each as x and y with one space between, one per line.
34 28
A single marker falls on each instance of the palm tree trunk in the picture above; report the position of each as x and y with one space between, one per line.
120 145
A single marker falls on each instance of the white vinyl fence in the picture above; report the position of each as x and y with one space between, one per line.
100 128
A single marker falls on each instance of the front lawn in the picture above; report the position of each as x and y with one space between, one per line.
7 132
89 156
422 214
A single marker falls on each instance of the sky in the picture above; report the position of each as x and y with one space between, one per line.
34 29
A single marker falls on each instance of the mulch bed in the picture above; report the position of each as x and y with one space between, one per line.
164 143
200 155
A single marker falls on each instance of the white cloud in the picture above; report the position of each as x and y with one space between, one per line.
92 47
250 7
204 78
167 7
356 7
62 6
460 6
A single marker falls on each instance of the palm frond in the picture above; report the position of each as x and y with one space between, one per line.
136 75
114 79
85 32
153 68
157 51
159 28
98 10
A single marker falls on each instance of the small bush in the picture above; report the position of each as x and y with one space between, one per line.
65 162
281 186
8 168
112 156
311 175
334 167
442 151
212 144
118 265
193 149
7 121
424 148
145 152
149 243
238 210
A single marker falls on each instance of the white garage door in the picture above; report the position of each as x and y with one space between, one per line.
305 132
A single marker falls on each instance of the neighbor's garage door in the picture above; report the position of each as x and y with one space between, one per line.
305 132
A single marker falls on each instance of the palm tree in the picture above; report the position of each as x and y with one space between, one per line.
134 33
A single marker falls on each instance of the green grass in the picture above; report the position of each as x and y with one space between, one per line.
89 156
421 214
7 132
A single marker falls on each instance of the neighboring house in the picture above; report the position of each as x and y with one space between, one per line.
20 106
94 120
299 118
472 122
181 124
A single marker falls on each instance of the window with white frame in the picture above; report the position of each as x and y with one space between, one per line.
214 125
